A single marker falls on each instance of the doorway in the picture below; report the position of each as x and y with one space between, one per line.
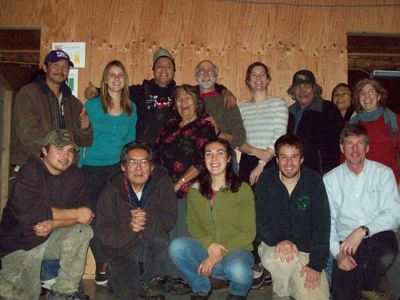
19 62
369 52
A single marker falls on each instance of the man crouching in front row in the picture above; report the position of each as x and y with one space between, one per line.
46 218
135 212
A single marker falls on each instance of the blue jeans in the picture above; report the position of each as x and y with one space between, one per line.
329 268
49 269
236 266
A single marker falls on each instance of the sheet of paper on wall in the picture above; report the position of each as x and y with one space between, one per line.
72 81
76 52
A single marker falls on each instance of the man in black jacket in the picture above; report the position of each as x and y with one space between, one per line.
154 97
46 219
293 222
316 122
135 212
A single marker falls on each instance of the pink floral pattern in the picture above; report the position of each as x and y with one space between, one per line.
179 148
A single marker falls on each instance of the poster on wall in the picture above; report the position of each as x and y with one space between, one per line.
72 81
76 52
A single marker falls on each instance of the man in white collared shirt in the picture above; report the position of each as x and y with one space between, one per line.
365 212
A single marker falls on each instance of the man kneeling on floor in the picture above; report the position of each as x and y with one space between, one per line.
134 214
293 221
365 214
46 218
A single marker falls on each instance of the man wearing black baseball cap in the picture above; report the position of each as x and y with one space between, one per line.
44 105
316 122
46 219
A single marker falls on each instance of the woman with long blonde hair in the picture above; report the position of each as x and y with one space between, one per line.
113 118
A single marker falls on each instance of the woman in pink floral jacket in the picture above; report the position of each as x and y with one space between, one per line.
179 148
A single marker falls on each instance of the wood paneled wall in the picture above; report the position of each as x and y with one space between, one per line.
231 33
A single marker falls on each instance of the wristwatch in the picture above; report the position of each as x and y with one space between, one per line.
366 230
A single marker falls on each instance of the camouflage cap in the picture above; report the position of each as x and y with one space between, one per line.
59 138
161 52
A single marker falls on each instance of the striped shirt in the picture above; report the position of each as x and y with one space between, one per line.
264 121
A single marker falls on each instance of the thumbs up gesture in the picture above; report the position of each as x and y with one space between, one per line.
84 119
91 91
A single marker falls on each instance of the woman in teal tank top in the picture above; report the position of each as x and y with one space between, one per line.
113 118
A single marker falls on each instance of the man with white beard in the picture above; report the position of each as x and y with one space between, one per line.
227 121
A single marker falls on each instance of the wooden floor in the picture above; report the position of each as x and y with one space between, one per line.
100 293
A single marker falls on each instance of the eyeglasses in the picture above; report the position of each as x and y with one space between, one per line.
133 163
370 92
202 72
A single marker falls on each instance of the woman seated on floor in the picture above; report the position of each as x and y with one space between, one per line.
221 222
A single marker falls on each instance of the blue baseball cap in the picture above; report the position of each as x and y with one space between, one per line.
57 55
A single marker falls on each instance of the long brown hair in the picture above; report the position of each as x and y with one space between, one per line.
232 182
105 97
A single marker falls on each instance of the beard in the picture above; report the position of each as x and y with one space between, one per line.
206 85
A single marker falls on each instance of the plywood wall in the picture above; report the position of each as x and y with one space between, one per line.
231 33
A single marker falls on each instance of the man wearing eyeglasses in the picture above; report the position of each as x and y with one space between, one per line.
135 212
227 120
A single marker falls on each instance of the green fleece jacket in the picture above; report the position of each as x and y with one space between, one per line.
230 221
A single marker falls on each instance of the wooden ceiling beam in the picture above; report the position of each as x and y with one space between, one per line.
25 58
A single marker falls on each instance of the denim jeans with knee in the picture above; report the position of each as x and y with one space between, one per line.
49 269
374 257
236 266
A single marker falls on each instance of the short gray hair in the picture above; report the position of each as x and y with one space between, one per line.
197 68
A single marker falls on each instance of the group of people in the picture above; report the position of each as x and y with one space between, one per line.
159 195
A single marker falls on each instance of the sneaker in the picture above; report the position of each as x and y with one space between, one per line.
235 297
374 295
150 291
59 296
177 286
200 296
258 276
101 278
47 284
267 278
